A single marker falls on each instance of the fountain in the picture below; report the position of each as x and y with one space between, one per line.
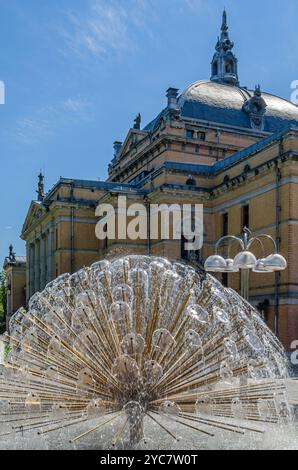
137 351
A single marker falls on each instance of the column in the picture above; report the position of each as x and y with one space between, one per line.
42 263
46 258
32 269
50 254
27 271
37 266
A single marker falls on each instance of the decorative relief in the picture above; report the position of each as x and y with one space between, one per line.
255 107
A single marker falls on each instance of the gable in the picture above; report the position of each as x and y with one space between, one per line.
132 138
35 212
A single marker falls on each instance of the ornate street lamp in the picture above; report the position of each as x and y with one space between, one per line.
245 261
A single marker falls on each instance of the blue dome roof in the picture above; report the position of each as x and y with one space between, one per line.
223 104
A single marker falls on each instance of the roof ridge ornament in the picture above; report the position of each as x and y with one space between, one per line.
255 107
40 191
224 63
12 255
137 122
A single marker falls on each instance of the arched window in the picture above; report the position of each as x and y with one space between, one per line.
190 181
215 68
229 67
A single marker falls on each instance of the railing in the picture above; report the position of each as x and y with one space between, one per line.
236 157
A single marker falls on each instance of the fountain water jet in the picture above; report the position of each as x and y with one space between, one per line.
140 340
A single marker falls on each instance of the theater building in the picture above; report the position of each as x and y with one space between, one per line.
217 143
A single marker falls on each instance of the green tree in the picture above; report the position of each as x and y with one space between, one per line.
3 296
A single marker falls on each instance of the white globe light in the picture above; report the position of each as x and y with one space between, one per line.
230 266
215 264
261 268
276 262
245 260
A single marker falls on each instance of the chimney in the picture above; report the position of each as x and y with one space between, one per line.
172 95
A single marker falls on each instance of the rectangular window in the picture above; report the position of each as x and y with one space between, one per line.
225 224
245 216
202 135
225 279
189 134
225 232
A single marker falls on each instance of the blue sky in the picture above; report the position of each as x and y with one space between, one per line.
78 71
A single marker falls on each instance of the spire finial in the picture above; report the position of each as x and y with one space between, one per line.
224 63
40 190
224 26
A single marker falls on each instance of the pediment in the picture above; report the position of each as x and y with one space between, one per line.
35 212
132 138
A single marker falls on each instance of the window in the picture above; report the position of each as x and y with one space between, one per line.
225 224
210 151
191 255
225 232
190 134
202 135
105 242
191 181
215 68
245 216
229 67
263 309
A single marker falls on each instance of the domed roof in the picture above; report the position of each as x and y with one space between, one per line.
221 101
223 104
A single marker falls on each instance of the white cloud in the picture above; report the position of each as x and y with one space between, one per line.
193 4
44 122
108 26
111 26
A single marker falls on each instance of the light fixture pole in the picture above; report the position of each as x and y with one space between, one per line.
245 261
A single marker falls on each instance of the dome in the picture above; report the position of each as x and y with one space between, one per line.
224 104
222 101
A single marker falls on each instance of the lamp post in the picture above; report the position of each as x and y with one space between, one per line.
245 261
